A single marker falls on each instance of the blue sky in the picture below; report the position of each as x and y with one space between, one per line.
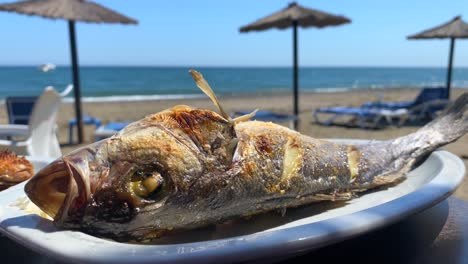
205 33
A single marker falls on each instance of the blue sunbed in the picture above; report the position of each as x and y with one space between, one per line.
365 117
426 95
87 120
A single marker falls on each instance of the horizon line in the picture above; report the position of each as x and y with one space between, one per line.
236 66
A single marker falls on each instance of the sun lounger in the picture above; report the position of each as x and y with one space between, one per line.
426 95
108 130
270 117
423 108
87 120
362 117
424 112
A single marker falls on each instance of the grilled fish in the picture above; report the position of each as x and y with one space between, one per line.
13 169
184 168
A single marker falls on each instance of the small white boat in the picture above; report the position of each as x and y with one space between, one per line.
47 67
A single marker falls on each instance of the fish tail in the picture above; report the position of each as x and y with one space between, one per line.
393 159
452 124
448 127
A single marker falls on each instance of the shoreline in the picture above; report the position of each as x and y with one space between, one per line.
163 97
159 97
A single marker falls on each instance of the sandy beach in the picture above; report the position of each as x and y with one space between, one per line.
131 111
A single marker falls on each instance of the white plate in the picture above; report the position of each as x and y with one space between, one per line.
264 237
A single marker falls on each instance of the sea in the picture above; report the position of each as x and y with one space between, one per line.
114 83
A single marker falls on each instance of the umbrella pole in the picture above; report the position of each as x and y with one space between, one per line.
295 76
449 71
76 80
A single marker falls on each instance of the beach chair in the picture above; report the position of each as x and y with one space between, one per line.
38 138
426 95
425 112
19 109
361 117
270 117
423 108
108 130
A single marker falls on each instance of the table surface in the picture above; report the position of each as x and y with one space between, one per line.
437 235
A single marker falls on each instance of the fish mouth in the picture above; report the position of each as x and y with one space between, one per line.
60 188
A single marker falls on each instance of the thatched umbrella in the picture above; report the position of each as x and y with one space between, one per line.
293 16
455 28
71 10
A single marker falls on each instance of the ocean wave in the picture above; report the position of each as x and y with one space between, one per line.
159 97
134 98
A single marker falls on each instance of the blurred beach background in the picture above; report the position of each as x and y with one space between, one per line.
128 72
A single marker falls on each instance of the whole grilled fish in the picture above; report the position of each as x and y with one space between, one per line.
184 168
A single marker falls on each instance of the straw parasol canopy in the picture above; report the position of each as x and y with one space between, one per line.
295 15
71 10
455 28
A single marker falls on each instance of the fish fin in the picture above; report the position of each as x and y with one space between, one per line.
388 179
205 87
401 154
244 118
335 196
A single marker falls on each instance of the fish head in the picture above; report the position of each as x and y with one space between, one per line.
65 185
143 181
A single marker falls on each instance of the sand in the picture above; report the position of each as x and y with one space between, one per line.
130 111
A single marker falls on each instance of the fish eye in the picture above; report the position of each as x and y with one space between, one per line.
144 184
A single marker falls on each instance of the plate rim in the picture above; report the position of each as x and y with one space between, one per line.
292 240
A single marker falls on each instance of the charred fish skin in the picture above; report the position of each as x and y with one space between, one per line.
283 161
276 168
185 168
